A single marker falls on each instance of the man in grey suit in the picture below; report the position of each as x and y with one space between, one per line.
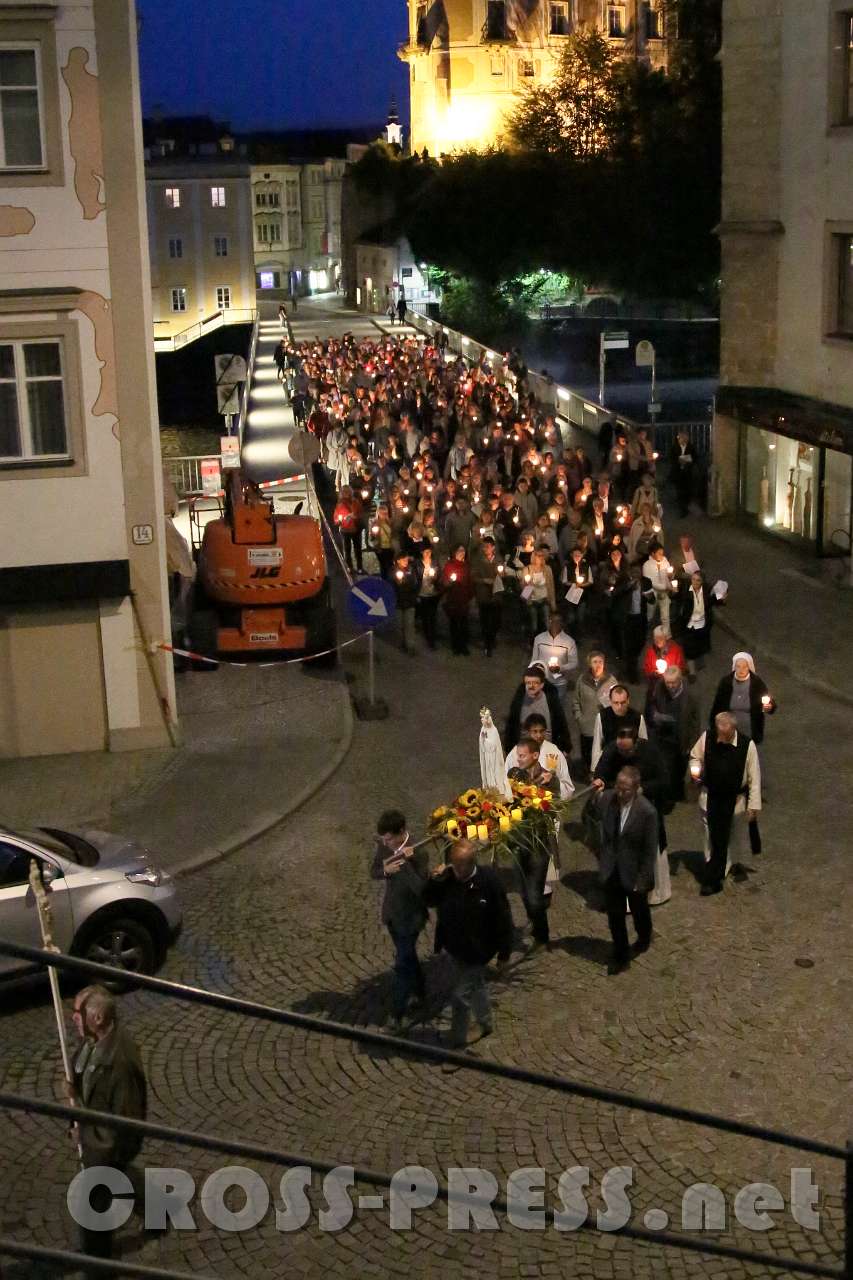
629 846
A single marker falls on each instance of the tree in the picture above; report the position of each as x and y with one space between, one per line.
574 114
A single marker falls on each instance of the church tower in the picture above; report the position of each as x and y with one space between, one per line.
469 59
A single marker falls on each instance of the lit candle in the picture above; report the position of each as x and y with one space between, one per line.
500 568
365 493
448 505
483 831
405 511
619 457
504 823
516 520
656 455
406 493
579 577
766 700
527 577
516 815
374 528
399 575
429 488
554 664
661 665
656 528
695 770
485 439
453 828
453 577
430 572
562 484
471 831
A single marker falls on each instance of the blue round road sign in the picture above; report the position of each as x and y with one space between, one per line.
371 603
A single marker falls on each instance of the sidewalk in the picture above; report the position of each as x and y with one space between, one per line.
257 743
780 608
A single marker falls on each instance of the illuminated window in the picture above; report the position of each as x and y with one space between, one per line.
223 297
173 197
220 246
497 62
217 197
176 247
20 114
179 299
559 15
616 20
653 18
32 401
526 69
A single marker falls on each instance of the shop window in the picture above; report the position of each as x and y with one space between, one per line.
779 483
837 513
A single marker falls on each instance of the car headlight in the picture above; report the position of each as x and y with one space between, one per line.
148 875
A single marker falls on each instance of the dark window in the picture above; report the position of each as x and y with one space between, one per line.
14 866
496 28
844 323
847 102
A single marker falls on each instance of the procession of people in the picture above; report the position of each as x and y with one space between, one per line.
452 482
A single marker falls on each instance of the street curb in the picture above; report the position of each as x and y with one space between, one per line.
246 835
816 686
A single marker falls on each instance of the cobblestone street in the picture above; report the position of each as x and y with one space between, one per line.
742 1007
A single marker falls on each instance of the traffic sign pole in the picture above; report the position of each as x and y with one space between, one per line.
371 671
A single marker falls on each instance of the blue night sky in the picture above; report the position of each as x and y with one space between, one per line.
274 63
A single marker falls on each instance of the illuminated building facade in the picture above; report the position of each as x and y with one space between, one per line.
469 59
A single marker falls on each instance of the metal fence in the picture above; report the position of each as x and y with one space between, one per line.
185 473
233 315
771 1263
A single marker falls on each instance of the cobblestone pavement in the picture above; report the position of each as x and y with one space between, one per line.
741 1007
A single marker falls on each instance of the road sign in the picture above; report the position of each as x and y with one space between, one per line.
371 603
228 399
654 407
615 340
211 476
229 448
230 372
645 354
303 448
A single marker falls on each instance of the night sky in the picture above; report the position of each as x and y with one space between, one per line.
274 63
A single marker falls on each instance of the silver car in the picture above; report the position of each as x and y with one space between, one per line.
109 902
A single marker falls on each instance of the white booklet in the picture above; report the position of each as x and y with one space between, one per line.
574 595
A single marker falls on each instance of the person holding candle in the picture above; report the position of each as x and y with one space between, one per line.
646 495
628 620
682 470
406 582
660 584
724 763
347 520
695 619
674 720
629 849
661 653
534 726
538 593
429 576
404 871
473 925
457 592
644 535
526 502
746 696
557 652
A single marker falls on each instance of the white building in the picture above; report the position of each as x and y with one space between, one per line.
297 226
83 589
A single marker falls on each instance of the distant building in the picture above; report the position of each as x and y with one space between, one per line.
783 428
199 227
469 59
83 588
386 270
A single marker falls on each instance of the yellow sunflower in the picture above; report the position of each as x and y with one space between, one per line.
474 811
468 798
438 814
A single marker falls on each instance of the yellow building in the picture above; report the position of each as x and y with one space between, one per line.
469 59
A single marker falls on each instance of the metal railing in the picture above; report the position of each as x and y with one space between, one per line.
185 473
250 373
232 315
426 1053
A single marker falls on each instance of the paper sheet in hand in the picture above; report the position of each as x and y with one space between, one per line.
574 595
527 593
721 589
691 566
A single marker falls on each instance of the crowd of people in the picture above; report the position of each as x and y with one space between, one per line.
459 488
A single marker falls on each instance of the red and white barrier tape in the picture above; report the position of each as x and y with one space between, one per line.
225 662
272 484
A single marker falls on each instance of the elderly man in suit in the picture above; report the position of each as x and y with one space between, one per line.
629 846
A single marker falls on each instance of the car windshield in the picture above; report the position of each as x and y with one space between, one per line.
71 847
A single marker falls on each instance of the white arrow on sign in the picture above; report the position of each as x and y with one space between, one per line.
377 608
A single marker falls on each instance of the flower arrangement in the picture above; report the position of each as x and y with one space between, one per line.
487 816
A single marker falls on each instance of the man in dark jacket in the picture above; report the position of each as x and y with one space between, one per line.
628 749
535 695
629 846
673 718
474 925
108 1076
533 860
405 871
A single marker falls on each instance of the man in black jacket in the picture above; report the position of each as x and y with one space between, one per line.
537 696
405 871
628 749
474 925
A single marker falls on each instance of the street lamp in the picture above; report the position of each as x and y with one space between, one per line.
423 267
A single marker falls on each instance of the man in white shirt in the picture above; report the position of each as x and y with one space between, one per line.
557 653
534 727
726 765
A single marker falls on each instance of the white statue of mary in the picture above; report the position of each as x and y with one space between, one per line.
492 768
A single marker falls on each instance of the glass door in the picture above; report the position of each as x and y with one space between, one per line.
837 516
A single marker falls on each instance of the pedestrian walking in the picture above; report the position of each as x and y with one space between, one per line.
592 692
610 720
535 696
629 846
673 718
745 694
404 871
282 315
457 592
725 764
474 925
406 582
532 858
108 1076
